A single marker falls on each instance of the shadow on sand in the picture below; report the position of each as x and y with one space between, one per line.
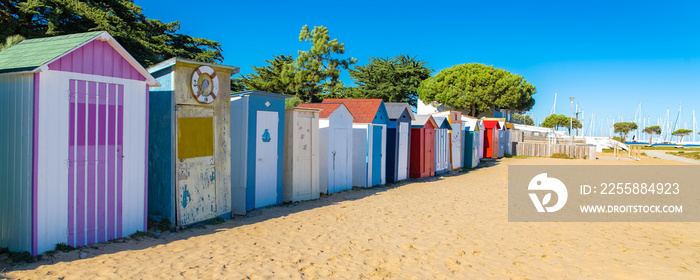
154 238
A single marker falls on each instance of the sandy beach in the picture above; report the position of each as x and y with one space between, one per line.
447 227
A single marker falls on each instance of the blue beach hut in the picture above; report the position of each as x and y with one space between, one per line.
257 142
398 141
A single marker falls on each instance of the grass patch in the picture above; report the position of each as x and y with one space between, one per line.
559 155
691 155
63 247
217 221
138 235
21 257
522 156
162 225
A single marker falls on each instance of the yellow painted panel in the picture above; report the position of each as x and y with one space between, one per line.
195 137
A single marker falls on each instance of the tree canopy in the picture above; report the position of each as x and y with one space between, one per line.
149 41
556 121
682 133
267 78
651 130
317 70
524 119
477 88
394 79
623 128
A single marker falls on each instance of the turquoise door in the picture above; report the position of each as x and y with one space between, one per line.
468 150
376 155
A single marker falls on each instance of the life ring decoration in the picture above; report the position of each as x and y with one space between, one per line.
205 85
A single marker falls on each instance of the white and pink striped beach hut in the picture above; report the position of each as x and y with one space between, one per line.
73 142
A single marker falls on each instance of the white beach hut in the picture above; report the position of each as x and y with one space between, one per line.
301 158
455 149
335 147
369 140
442 145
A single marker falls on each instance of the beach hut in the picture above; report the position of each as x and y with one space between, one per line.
455 149
189 177
470 138
509 138
301 164
481 135
501 143
423 146
74 140
491 138
335 149
442 145
369 140
398 141
257 142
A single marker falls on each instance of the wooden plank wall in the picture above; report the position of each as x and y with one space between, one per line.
546 150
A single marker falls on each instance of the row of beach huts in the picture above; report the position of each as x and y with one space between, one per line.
93 144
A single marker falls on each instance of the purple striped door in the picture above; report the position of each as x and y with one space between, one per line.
95 156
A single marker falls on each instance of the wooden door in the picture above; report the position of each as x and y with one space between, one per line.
456 148
403 151
429 151
376 155
195 165
266 145
302 149
96 116
339 160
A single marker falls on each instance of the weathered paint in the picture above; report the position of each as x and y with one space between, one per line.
301 155
244 138
16 161
161 170
395 138
195 137
188 155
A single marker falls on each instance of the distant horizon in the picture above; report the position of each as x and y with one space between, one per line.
610 56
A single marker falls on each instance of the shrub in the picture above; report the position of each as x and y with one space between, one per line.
63 247
559 155
22 257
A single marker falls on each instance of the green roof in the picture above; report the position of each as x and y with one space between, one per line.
32 53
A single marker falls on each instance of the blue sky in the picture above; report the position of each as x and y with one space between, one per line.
610 55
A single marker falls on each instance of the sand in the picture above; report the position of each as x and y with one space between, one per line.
445 228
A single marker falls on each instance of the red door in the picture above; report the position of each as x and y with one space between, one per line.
429 152
416 152
488 144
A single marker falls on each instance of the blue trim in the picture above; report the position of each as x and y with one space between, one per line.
256 102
